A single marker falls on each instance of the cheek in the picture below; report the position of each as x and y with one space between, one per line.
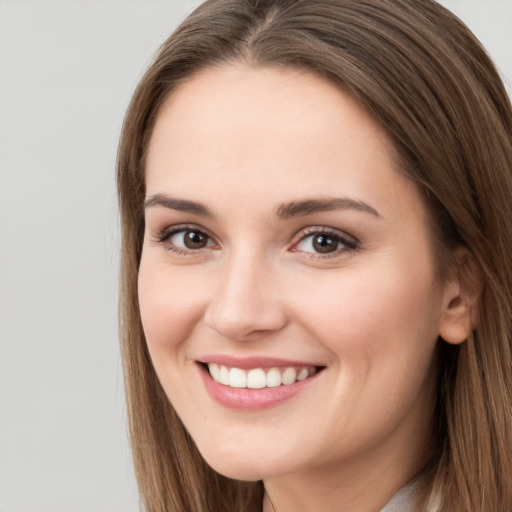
170 305
386 313
381 335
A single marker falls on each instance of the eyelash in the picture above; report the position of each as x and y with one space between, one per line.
163 236
349 243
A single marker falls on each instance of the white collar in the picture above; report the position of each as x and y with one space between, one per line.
403 500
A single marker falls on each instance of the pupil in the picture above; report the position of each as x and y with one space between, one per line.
325 244
195 240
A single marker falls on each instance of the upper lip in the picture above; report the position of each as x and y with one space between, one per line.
247 363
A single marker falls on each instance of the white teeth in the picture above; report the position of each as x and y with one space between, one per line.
303 374
258 378
237 378
223 376
214 371
289 376
273 378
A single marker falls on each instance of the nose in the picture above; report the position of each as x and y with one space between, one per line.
246 301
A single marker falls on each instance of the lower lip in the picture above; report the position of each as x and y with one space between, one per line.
252 399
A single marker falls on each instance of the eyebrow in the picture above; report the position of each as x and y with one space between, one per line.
310 206
284 211
181 205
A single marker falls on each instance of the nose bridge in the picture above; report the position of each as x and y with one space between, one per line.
245 300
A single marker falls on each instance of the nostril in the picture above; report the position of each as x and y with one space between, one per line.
243 322
244 302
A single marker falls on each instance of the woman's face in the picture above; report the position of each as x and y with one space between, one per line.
284 252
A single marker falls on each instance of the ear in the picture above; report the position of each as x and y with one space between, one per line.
461 298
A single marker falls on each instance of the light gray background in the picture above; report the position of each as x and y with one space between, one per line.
67 69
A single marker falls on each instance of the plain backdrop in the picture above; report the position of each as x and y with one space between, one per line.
67 70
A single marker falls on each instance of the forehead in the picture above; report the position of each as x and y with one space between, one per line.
267 133
284 101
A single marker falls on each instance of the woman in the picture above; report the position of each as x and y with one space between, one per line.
316 278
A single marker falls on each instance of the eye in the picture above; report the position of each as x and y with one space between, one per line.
185 239
190 239
324 242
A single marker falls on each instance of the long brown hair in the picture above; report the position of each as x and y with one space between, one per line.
432 87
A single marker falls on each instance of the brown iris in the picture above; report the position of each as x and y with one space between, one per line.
195 240
325 243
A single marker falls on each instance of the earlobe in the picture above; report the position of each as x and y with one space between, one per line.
461 299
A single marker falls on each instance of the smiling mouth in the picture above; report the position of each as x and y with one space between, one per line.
259 378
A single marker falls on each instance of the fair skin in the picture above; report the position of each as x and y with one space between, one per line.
345 290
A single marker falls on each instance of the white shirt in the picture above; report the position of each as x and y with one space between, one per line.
403 500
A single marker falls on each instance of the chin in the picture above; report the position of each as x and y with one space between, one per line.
236 469
239 472
243 465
